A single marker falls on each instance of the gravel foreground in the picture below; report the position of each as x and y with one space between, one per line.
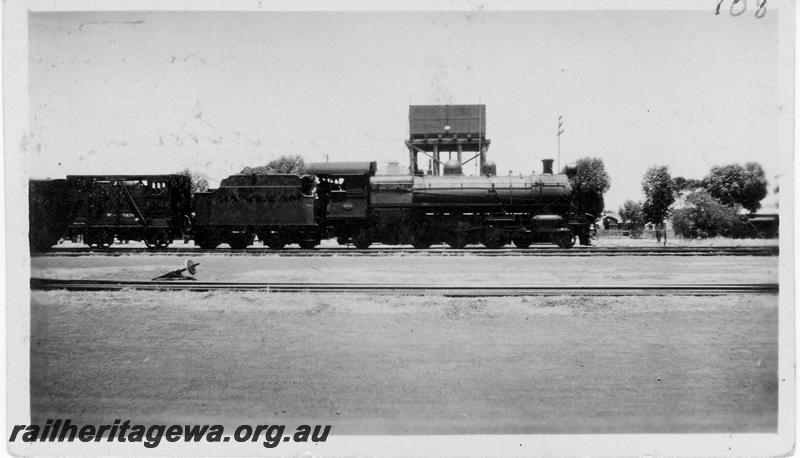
408 365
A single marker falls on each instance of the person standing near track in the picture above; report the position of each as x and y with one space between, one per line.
661 232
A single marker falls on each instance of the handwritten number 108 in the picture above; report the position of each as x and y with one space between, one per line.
737 9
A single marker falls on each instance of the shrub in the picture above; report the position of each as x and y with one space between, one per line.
704 216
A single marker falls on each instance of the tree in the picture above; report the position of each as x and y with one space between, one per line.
704 216
588 186
632 214
293 165
685 184
733 184
657 187
199 181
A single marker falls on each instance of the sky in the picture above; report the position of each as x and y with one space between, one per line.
157 92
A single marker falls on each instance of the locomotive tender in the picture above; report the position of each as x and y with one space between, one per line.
346 200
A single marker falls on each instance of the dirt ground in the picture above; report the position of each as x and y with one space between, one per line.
422 269
403 365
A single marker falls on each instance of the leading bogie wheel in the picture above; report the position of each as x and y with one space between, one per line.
565 239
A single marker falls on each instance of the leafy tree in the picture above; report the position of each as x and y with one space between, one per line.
657 187
704 216
588 186
632 214
685 184
199 181
286 164
733 184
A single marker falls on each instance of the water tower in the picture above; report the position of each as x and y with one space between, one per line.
440 131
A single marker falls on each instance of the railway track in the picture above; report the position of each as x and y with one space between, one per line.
455 290
401 251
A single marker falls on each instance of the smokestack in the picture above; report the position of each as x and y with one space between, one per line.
547 166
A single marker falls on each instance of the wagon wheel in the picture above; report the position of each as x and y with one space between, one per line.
99 238
308 244
362 239
156 238
238 244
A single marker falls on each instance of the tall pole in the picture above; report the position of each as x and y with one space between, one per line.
558 136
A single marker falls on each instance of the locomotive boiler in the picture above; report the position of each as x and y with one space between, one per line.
452 208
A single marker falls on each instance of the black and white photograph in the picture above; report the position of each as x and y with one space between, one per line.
523 228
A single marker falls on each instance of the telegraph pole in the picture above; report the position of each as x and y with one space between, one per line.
558 136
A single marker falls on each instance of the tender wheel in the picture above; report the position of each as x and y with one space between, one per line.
522 243
308 244
205 239
362 239
421 242
209 244
240 241
274 242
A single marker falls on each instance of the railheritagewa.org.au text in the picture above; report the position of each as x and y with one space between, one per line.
63 430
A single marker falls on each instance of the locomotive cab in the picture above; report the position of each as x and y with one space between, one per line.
344 192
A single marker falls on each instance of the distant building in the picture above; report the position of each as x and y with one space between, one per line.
763 225
610 220
392 168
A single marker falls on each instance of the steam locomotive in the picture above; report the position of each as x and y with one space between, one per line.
346 200
363 208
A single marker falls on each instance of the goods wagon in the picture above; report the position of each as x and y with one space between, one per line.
152 208
48 212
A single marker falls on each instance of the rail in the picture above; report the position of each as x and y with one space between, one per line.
403 251
455 290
